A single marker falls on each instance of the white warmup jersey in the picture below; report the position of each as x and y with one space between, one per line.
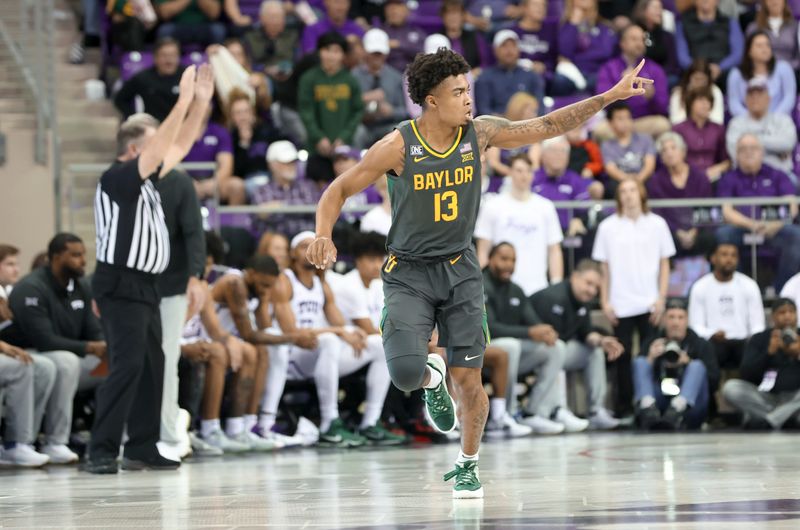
308 305
224 314
353 299
193 331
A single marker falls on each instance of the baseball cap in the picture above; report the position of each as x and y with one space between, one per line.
376 41
345 151
436 41
503 35
302 236
758 82
282 151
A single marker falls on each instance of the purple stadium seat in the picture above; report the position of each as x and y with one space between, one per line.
134 62
250 8
193 58
426 15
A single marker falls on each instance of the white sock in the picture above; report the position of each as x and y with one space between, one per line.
266 421
647 401
497 408
250 421
234 426
208 426
466 458
679 403
436 378
325 423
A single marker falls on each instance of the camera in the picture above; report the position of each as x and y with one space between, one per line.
669 370
788 336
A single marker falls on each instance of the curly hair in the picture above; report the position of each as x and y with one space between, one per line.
429 70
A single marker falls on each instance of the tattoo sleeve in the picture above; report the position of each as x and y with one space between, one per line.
500 132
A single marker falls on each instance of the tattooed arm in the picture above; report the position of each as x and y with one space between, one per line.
500 132
236 299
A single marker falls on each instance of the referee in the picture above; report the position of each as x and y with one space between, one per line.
132 250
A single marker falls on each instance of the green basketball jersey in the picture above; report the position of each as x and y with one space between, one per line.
435 199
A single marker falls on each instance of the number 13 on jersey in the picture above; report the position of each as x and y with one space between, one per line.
449 200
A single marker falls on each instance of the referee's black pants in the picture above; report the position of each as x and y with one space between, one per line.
131 394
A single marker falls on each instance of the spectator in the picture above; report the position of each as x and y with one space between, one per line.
9 272
634 246
775 131
775 17
629 155
759 61
555 181
704 139
405 40
238 20
585 157
496 84
344 159
250 137
381 89
467 42
676 179
695 367
488 15
16 382
510 316
696 77
194 21
529 223
214 146
767 392
379 219
256 81
586 41
650 110
157 86
754 178
271 45
521 106
53 319
725 307
705 33
565 306
659 41
330 105
276 246
131 21
539 44
335 21
285 188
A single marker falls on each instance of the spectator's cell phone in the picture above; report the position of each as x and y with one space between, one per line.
768 383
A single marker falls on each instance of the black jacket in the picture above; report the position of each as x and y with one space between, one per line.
756 362
159 93
187 242
508 312
695 347
557 306
48 317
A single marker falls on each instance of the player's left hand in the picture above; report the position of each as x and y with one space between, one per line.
204 85
321 253
631 84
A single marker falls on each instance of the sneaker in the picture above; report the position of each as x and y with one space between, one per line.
468 484
254 442
183 421
201 448
337 435
570 421
602 420
23 455
156 463
59 454
218 439
671 420
648 417
170 451
439 406
101 466
281 441
378 435
507 426
542 425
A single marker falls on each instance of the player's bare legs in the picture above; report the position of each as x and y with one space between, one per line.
472 410
259 381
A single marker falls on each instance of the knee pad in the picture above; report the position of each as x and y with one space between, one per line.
408 371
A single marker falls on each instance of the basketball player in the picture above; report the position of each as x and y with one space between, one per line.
243 307
432 275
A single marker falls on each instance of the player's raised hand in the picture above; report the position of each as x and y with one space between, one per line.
631 84
186 93
321 253
204 85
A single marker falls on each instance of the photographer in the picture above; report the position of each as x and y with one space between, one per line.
679 365
770 371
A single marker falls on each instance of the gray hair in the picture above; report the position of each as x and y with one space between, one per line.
555 142
132 130
670 136
270 3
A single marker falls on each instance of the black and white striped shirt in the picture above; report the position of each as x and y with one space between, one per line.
129 222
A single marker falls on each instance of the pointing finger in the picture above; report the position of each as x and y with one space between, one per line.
638 68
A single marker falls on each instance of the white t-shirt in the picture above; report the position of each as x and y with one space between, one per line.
353 299
377 220
531 226
633 251
734 307
791 289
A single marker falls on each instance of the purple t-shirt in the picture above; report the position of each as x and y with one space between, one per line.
769 182
313 32
660 186
540 45
587 47
215 140
568 187
704 146
629 158
610 74
411 39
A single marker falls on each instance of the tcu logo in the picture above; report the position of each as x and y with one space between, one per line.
416 150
